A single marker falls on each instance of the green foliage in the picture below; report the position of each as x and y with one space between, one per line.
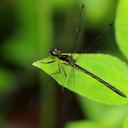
122 27
112 116
83 124
99 11
6 81
16 49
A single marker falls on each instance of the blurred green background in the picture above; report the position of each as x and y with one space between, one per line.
28 29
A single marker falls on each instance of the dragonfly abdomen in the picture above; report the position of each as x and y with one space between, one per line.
100 80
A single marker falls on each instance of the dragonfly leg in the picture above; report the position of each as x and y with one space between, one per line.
71 77
59 66
64 71
51 61
48 62
60 69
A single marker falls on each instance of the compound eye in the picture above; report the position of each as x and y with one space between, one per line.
54 52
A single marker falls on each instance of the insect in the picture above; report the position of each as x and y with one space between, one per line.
68 59
71 61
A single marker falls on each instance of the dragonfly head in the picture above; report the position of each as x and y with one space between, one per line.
55 52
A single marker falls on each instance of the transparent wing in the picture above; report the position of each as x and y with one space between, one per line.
95 45
79 30
79 35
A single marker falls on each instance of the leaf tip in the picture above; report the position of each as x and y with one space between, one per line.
34 64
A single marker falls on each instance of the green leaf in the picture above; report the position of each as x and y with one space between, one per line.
109 68
125 124
83 124
93 110
122 26
112 116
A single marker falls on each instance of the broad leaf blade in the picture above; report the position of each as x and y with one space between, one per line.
107 67
122 26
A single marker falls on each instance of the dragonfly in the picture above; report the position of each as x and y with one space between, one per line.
69 60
